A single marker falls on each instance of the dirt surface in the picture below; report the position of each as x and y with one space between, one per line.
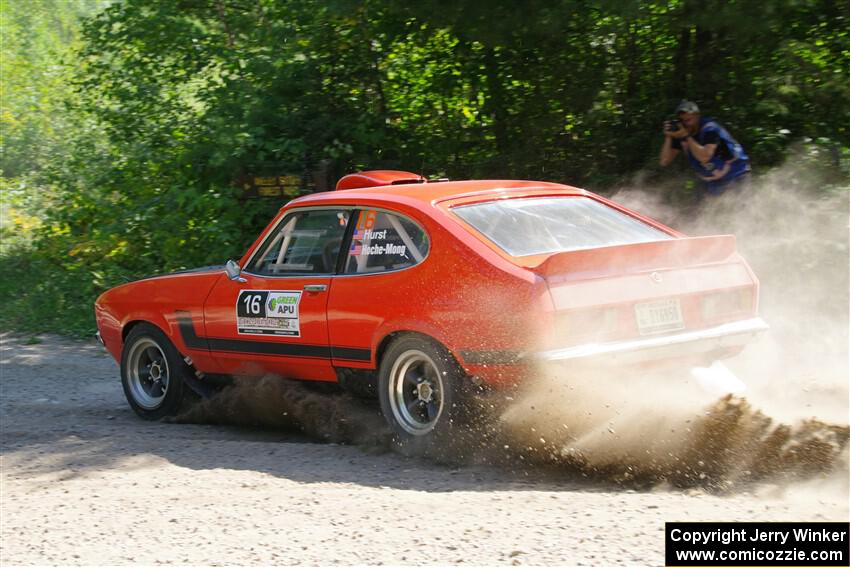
85 482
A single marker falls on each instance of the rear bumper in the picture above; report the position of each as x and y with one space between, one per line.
692 343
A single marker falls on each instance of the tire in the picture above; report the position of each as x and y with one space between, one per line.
152 373
422 391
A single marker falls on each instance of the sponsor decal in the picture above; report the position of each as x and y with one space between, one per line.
266 312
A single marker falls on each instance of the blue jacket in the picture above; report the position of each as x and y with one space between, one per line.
728 151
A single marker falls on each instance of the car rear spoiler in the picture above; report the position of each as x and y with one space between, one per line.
378 178
640 257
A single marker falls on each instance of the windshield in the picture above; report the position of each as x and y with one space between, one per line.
522 227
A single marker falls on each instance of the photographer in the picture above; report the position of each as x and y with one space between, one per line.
713 153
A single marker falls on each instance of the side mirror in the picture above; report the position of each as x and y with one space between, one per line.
233 270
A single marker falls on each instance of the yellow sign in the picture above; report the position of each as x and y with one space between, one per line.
265 181
273 191
275 186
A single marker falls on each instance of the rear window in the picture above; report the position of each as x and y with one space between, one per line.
522 227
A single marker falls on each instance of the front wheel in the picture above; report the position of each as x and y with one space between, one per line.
152 373
421 388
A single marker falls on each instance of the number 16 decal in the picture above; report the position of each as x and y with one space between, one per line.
263 312
367 220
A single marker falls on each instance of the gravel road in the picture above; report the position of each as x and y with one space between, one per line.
85 482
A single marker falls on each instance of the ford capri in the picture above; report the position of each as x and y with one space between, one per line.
427 293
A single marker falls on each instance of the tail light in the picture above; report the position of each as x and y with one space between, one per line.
719 305
587 324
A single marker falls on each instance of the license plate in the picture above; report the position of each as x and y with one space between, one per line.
659 316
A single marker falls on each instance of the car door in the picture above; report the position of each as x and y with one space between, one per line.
273 319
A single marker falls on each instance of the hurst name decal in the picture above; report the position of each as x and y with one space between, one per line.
372 243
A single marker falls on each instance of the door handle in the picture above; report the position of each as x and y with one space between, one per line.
315 288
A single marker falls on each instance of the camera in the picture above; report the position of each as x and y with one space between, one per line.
672 124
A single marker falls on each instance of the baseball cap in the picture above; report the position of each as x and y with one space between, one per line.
687 106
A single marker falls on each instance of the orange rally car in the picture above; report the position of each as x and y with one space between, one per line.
427 291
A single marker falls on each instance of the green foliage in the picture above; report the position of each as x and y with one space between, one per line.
42 296
36 38
127 125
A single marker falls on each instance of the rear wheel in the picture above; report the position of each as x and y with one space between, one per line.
422 391
152 372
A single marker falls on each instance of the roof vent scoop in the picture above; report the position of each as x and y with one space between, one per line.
378 178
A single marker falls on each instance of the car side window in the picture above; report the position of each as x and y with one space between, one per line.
305 242
385 241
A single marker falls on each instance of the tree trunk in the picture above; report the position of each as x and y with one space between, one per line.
496 108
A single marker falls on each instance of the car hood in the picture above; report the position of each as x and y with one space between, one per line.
192 270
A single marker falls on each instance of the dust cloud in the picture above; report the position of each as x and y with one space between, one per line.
791 421
797 240
663 429
319 411
788 420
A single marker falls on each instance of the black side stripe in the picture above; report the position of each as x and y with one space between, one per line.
192 340
349 353
187 331
274 349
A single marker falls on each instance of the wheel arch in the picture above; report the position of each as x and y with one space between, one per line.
390 338
129 326
136 320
